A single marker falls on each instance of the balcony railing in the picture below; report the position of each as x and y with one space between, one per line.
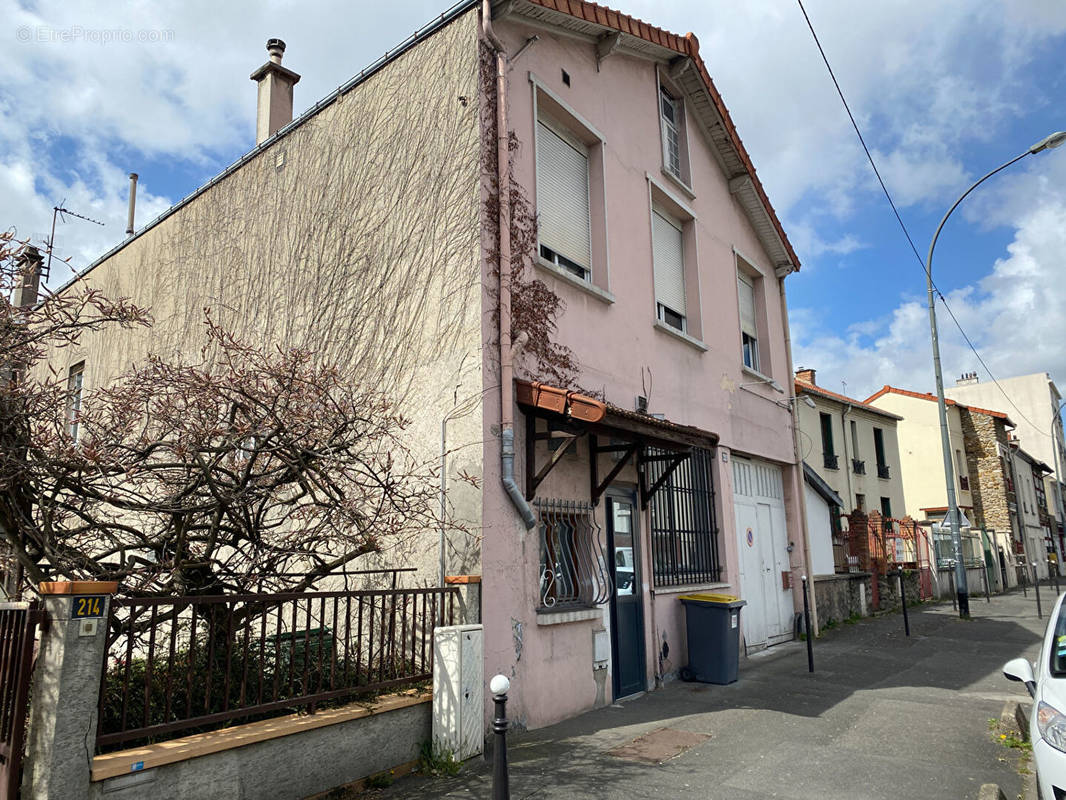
830 461
883 471
858 466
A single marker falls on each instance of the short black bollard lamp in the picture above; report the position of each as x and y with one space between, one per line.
1036 588
903 602
501 789
807 627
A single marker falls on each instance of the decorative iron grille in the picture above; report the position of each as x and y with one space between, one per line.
573 560
684 531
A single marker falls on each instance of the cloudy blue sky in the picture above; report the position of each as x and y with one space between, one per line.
943 91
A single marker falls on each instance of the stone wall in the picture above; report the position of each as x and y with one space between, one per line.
985 438
839 597
889 589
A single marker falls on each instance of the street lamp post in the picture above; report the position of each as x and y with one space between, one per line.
1054 140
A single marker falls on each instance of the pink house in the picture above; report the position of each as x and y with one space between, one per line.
681 475
632 445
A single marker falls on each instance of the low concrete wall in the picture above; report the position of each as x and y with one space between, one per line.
943 586
295 766
841 596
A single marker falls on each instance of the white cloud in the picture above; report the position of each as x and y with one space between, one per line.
72 87
1013 315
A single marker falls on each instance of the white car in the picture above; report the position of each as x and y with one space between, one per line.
1047 685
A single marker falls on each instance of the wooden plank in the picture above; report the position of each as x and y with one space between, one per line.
112 765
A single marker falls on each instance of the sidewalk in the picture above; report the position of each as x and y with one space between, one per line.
883 716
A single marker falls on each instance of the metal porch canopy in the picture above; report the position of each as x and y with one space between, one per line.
571 415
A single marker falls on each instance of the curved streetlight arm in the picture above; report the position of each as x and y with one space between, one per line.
952 515
929 260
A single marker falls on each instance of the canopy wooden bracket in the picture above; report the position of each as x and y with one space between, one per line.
535 477
596 488
674 460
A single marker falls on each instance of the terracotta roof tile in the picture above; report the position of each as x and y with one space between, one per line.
689 46
803 386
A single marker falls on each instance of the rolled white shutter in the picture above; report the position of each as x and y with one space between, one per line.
668 254
747 307
563 197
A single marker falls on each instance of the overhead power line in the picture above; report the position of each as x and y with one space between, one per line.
903 226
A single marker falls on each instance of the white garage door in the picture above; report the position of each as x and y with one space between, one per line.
759 505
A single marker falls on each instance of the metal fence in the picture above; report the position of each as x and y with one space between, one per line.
18 627
194 663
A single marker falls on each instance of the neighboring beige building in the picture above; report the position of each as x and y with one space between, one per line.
983 467
1034 405
921 452
853 447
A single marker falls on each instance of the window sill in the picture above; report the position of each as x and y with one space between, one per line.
589 288
680 184
757 375
546 616
694 587
692 341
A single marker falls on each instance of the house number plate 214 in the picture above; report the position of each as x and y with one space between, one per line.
88 606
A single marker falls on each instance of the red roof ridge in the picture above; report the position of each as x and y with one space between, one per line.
687 45
886 389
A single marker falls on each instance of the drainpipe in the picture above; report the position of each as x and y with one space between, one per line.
503 185
847 458
797 472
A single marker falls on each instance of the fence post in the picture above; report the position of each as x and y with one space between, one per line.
61 735
501 782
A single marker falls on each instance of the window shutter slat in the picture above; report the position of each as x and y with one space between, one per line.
563 197
747 307
668 254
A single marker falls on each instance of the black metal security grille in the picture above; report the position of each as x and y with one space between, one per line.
573 558
684 530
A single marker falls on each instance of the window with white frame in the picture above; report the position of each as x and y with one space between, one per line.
74 390
670 118
564 237
668 254
749 329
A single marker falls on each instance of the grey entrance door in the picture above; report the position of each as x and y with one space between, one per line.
627 610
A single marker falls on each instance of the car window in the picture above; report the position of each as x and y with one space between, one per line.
1057 662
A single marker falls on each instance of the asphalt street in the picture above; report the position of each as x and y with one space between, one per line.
882 716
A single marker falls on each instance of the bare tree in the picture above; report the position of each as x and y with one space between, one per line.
245 468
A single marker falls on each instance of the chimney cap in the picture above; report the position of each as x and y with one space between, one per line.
275 43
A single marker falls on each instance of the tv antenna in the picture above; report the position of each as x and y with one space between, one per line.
59 211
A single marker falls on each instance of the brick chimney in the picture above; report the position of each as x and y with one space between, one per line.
275 93
805 375
29 265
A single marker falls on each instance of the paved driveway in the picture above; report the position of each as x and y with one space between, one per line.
882 716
